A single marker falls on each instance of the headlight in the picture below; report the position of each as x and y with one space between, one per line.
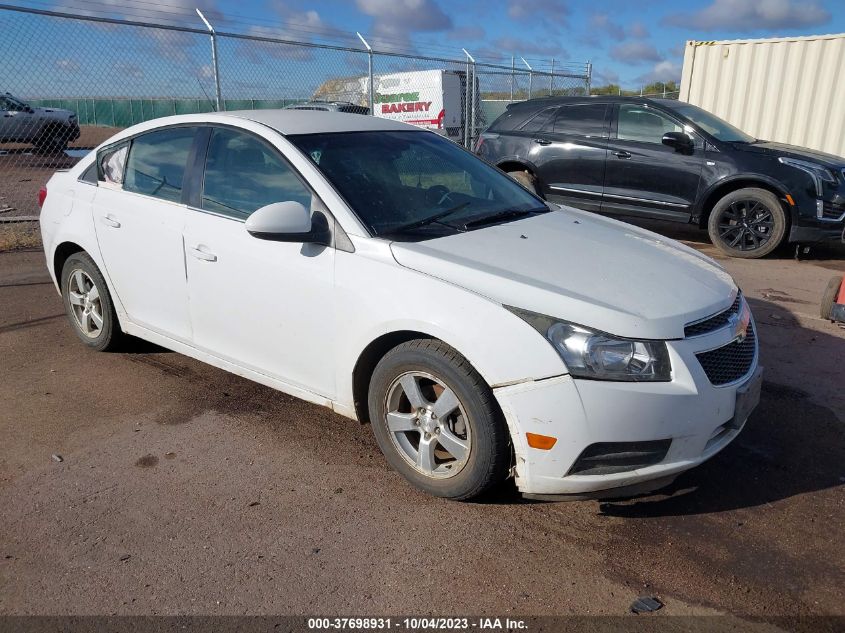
591 354
816 171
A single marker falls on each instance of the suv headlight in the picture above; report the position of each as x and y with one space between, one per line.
816 171
592 354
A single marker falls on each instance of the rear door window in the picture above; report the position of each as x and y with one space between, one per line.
243 174
588 119
111 165
542 121
156 163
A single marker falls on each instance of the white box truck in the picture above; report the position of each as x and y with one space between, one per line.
433 99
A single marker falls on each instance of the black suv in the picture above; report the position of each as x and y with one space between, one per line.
664 159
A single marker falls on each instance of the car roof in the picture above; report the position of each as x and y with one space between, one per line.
317 121
540 102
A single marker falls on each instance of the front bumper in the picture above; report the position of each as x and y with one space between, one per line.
818 232
699 419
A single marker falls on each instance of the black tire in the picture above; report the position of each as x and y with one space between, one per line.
53 140
829 297
108 336
486 464
748 223
527 180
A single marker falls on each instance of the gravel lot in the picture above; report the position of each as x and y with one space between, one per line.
185 490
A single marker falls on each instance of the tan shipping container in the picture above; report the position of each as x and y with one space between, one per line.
790 89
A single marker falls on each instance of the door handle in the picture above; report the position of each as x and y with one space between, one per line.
542 141
110 221
199 253
622 154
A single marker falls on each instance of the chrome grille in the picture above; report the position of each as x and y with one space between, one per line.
731 362
710 324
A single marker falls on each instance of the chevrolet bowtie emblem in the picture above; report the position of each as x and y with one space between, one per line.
739 323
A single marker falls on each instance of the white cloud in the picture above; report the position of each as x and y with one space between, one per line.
638 30
635 52
665 70
752 15
398 19
546 10
602 22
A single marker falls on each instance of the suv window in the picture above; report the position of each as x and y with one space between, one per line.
540 121
584 120
156 163
243 174
646 125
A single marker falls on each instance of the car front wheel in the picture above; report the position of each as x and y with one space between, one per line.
437 422
88 304
748 223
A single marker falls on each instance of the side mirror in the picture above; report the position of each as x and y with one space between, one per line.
288 222
679 140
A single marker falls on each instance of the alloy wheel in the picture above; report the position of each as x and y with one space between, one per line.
746 225
428 425
85 303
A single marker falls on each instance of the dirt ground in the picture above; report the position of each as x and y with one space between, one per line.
186 490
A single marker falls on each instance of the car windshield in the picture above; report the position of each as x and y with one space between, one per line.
710 123
415 185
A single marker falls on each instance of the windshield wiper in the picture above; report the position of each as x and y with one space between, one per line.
507 214
430 219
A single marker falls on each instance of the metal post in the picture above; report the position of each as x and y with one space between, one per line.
512 77
530 75
589 78
552 77
467 101
220 105
371 89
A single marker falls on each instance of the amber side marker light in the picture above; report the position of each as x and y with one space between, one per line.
790 200
543 442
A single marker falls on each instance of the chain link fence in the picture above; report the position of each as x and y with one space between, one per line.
68 82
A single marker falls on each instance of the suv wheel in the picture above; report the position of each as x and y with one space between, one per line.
88 304
436 420
747 223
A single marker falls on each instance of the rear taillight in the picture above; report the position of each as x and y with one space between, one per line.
42 196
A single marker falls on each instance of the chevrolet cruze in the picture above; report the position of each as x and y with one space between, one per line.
383 271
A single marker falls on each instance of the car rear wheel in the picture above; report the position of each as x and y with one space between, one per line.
526 179
747 223
436 420
88 304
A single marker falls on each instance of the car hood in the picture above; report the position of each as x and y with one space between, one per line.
54 113
791 151
582 268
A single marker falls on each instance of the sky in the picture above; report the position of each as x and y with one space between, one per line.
628 42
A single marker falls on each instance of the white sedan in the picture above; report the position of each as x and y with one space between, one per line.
383 271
